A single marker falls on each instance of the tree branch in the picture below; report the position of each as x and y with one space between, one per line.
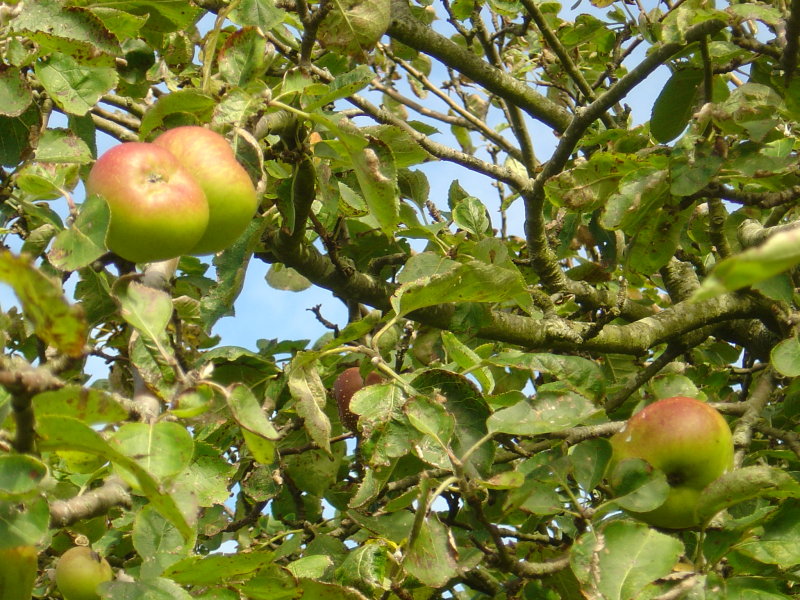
405 28
91 504
633 338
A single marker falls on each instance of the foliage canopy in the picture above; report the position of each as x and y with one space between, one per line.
618 263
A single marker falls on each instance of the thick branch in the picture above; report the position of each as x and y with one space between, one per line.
91 504
634 338
405 28
743 434
789 58
763 199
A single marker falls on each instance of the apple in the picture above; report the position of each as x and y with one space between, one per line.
78 573
348 383
689 441
232 199
18 568
158 211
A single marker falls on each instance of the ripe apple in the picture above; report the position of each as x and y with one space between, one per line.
689 441
78 573
348 383
18 568
232 199
158 211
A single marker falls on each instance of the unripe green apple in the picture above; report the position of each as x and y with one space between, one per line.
348 383
18 568
78 573
158 210
232 199
689 441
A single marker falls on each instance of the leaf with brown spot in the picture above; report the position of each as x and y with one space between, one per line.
55 321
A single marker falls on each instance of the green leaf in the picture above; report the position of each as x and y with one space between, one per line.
210 569
743 484
377 178
342 86
473 281
470 215
94 293
691 173
673 107
20 474
121 23
73 31
638 487
175 108
62 146
779 544
785 357
151 589
163 449
14 135
83 241
430 418
779 253
260 434
73 87
463 401
466 358
589 184
15 93
306 388
589 461
430 556
286 278
92 406
547 413
366 568
231 266
378 403
750 588
623 558
756 11
641 193
242 56
258 13
54 320
325 591
23 524
157 541
582 375
147 309
67 433
313 567
354 26
656 241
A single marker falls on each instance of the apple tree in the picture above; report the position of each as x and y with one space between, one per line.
540 218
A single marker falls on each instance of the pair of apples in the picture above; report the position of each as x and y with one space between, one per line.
184 193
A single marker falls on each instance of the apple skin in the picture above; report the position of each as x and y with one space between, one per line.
348 383
158 211
18 568
79 571
232 199
689 441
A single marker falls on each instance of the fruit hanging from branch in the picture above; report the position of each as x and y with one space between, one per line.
348 383
689 441
78 573
158 210
230 193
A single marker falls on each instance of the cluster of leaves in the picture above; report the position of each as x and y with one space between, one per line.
655 260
